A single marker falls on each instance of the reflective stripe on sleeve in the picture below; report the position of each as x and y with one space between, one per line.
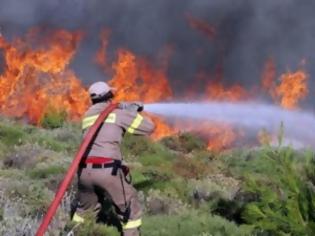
89 121
135 124
111 118
78 219
131 224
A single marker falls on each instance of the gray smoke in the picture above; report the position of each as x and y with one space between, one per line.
298 125
248 32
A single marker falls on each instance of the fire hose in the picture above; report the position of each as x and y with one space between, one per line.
91 134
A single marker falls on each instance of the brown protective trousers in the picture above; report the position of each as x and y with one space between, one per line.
99 183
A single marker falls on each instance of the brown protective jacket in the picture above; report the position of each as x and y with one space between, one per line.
108 140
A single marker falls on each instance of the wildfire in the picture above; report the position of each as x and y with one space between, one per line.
136 79
37 79
216 91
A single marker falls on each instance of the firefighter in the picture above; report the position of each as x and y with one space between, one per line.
102 175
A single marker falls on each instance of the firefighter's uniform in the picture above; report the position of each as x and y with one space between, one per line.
101 176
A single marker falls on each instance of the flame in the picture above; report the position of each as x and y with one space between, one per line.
162 128
36 79
292 89
137 80
222 136
216 91
289 89
218 136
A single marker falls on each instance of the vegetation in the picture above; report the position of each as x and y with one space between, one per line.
185 189
53 119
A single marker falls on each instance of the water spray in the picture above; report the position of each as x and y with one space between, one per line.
299 125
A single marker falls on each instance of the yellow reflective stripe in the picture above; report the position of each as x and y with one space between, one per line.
111 118
89 121
77 218
135 124
131 224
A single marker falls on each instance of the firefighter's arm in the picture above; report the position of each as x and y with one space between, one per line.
131 106
137 124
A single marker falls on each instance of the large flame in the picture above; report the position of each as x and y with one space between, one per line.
135 79
37 80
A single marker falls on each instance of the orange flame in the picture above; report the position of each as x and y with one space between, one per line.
216 91
36 79
292 89
135 79
222 136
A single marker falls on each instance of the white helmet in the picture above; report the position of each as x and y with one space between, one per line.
99 89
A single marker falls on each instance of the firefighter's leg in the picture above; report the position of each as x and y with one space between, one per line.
125 198
131 225
87 199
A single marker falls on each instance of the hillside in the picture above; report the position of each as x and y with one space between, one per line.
185 189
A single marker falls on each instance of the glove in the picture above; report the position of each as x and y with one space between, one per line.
139 105
131 106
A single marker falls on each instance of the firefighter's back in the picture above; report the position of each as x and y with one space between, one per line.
108 140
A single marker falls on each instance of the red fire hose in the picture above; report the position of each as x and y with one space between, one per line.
72 169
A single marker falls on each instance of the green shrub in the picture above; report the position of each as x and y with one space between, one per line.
51 143
42 173
191 167
90 227
285 199
53 119
11 134
166 202
136 145
25 156
192 223
185 142
35 196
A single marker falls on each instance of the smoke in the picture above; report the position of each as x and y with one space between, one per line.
252 117
247 33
